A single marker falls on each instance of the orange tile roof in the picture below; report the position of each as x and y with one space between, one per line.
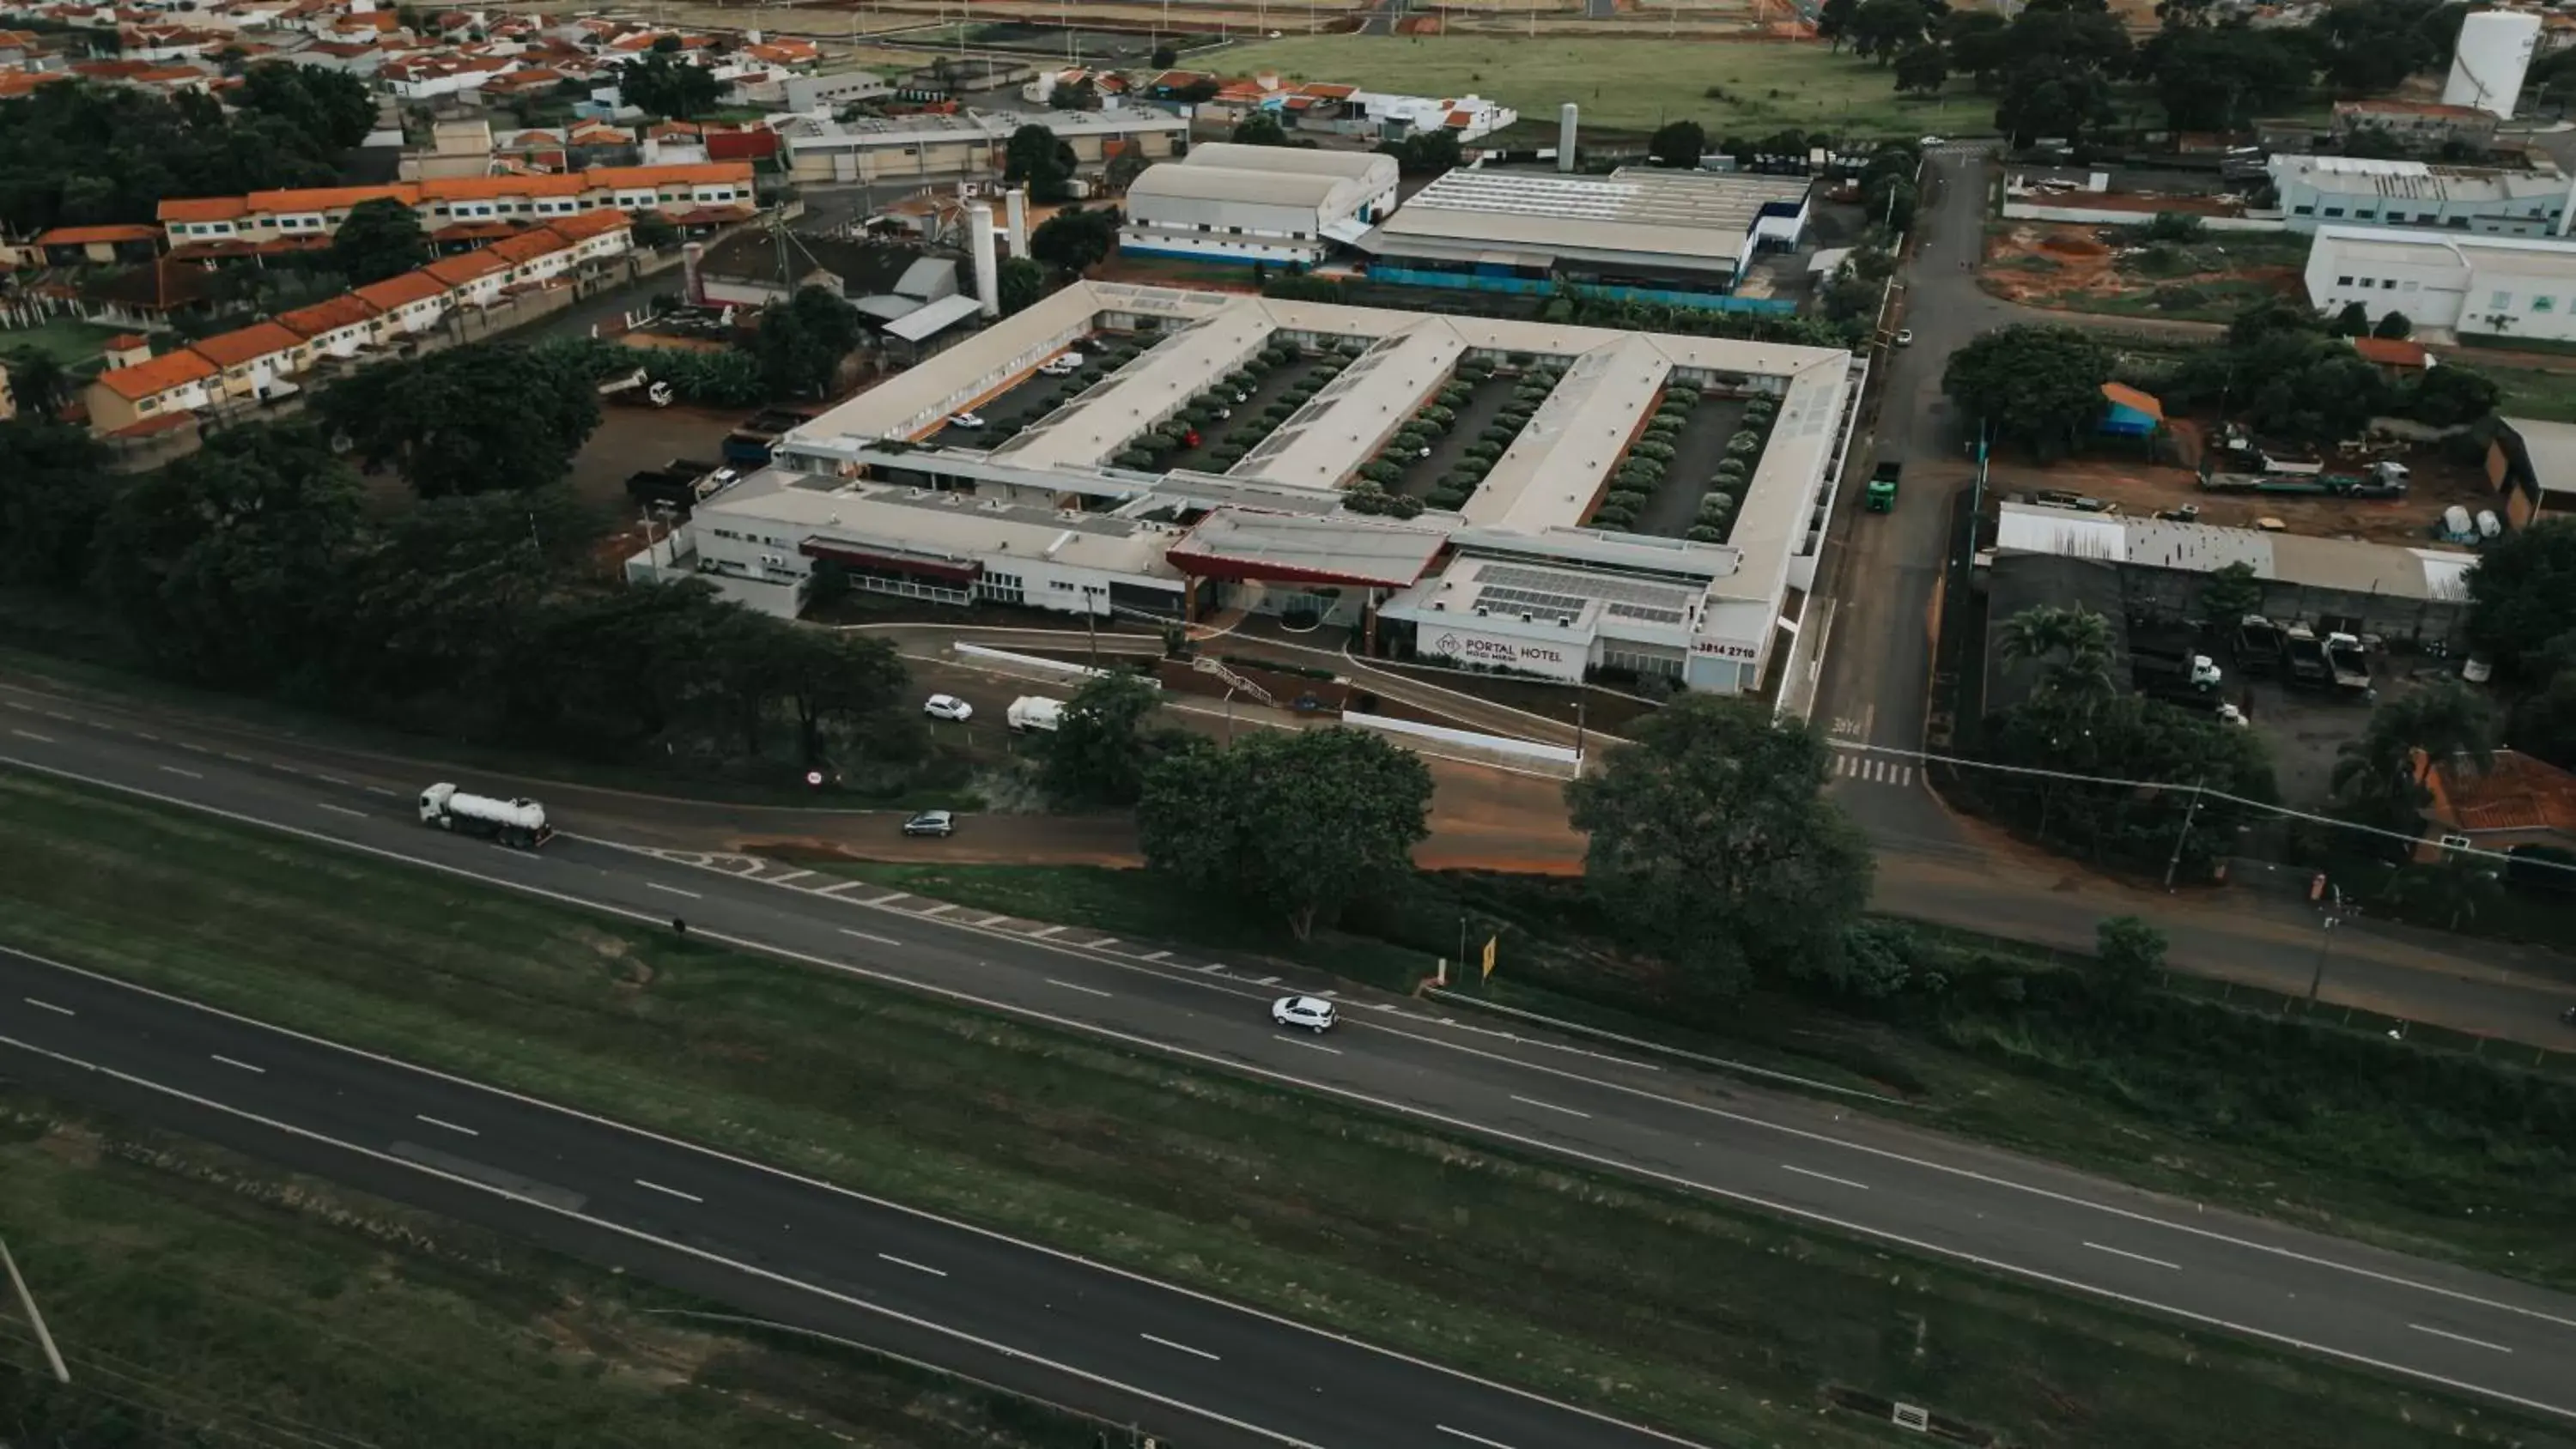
246 344
2390 351
2129 397
157 376
490 188
127 341
474 231
527 246
585 225
331 198
17 83
457 271
346 310
402 291
674 175
72 236
203 208
2518 793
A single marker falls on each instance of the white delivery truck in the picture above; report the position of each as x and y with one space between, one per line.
1036 712
519 824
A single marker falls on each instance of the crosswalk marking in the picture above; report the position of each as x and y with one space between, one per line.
1852 765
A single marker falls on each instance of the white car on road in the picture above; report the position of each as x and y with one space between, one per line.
1313 1013
948 706
968 421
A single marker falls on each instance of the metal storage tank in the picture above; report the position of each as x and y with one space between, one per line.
2487 69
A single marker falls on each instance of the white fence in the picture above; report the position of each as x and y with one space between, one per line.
1507 749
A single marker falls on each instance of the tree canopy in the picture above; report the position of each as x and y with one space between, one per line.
1713 846
2379 775
1296 822
2522 596
1022 282
52 490
662 83
489 416
1102 747
331 106
1424 153
1075 239
2038 385
1036 159
802 341
76 152
1678 143
379 239
1260 129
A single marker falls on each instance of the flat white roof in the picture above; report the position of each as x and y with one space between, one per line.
2523 255
1293 160
1699 216
2347 564
2551 448
862 515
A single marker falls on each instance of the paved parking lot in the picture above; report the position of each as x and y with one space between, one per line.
1697 450
1491 396
1022 403
1269 389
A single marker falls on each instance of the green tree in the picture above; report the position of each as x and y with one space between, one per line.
2052 98
39 383
1885 27
2218 78
1102 747
1036 159
1425 153
2129 954
1164 57
2368 46
1075 239
801 343
53 488
654 231
1922 68
1298 822
485 417
2451 890
2522 595
1834 21
2132 744
2450 396
662 83
2544 718
2353 320
1259 129
2072 647
2230 593
2039 385
2383 772
1022 283
1975 42
1712 845
1678 144
2395 326
333 107
379 239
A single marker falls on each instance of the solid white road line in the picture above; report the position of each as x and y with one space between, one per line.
2460 1338
1472 1438
1069 986
1183 1347
1551 1106
32 735
1312 1046
673 1191
175 770
245 1066
2133 1257
1824 1177
49 1006
675 890
450 1126
871 936
339 809
916 1267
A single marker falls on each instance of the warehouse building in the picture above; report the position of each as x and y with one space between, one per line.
1050 518
2519 286
935 145
1678 237
2317 191
1246 204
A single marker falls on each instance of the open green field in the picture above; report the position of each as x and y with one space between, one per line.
204 1298
2530 392
1626 85
72 343
1729 1327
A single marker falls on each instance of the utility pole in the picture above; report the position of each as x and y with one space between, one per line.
2174 861
2325 943
45 1339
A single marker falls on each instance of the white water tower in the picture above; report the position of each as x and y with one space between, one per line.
2495 50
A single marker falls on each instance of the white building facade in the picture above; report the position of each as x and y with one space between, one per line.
2514 286
1246 204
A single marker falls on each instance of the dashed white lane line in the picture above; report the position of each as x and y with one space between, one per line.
916 1267
1183 1347
1043 932
1312 1046
239 759
32 735
1265 980
1825 1177
836 887
243 1066
2133 1257
2460 1338
675 890
382 790
1551 1106
1471 1438
1156 955
871 936
450 1126
941 909
330 779
1069 986
339 809
49 1006
1213 967
673 1191
175 770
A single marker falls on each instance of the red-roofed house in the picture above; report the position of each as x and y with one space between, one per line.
253 359
2391 354
2517 804
336 328
71 245
127 397
472 280
405 305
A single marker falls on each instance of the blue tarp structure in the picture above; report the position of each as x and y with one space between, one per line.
2132 414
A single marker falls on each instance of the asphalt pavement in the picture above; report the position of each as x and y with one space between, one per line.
1812 1160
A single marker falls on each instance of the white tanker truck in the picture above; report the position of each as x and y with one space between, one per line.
519 824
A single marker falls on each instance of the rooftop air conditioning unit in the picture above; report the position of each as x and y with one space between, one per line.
1525 618
1482 611
1442 607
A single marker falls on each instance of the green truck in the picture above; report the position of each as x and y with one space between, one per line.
1882 486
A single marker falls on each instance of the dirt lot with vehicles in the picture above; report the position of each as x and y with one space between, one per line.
2140 487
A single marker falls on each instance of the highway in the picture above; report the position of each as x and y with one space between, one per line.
1808 1159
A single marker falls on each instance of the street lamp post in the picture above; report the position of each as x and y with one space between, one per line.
2325 943
27 1302
1579 703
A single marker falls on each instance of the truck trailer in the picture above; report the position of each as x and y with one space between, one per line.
1035 712
519 824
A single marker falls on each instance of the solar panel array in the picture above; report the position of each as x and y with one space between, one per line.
1555 608
1558 593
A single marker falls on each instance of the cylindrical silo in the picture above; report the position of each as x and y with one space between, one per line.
2487 69
1565 117
1018 202
988 268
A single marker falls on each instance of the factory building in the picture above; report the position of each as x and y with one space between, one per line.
1270 204
2317 191
2515 286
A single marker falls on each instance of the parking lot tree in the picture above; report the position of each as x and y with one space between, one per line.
801 343
1922 68
1075 239
2230 593
2035 384
1713 845
2382 774
1889 204
662 83
2068 647
53 487
1260 129
380 239
1034 157
1296 822
1678 143
484 417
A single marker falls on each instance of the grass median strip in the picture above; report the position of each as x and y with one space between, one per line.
204 1298
1728 1327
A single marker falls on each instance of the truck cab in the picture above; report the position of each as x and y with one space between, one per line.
1881 497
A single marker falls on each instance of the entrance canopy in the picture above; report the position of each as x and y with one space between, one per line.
1251 546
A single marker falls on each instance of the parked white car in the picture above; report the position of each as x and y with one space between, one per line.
1313 1013
949 707
964 420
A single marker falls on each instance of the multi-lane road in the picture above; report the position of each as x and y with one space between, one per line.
820 1256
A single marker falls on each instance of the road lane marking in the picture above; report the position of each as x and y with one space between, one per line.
675 890
673 1191
382 790
1043 932
1824 1177
450 1126
890 900
1551 1106
989 922
1183 1347
836 887
186 745
1156 955
175 770
1472 1438
239 759
2460 1338
1312 1046
331 780
1069 986
1212 968
784 879
1265 980
49 1006
2133 1257
32 735
916 1267
871 936
245 1066
339 809
941 909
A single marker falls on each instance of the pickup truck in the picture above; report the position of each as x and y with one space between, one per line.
1881 497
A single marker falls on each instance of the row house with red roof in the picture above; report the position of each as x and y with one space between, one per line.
699 194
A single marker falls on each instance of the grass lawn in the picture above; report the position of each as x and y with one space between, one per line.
204 1298
2530 392
1730 1327
72 343
2173 302
1626 85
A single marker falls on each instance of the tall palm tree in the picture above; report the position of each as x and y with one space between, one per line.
2073 646
2390 763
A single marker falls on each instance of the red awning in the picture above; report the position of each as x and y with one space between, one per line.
891 560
